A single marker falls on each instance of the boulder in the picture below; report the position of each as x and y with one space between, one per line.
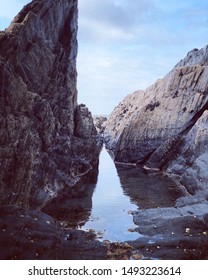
84 126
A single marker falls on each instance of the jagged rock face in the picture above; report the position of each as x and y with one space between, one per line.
84 126
149 126
38 101
100 123
191 161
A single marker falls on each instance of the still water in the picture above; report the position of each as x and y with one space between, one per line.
105 201
120 190
111 207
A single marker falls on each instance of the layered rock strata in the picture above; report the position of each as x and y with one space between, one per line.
191 162
165 128
173 233
150 127
46 140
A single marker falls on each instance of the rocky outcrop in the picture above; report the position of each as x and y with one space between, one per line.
149 127
165 128
46 141
191 162
173 233
100 123
27 234
84 127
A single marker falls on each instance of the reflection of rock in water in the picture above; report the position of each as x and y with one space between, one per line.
73 206
147 190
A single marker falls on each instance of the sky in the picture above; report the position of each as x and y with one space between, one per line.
126 45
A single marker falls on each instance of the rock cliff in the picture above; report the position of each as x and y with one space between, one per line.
165 128
47 141
150 127
191 162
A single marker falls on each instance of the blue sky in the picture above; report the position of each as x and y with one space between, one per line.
126 45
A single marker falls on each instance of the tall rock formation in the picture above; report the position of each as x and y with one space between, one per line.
155 126
40 149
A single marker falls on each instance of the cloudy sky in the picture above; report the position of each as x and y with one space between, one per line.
126 45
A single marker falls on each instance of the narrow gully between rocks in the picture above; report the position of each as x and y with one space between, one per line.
104 203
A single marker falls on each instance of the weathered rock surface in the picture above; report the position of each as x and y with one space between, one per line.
84 127
148 126
100 123
30 234
174 233
47 141
166 128
191 162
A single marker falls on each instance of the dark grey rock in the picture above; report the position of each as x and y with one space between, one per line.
41 131
27 234
84 126
191 162
173 232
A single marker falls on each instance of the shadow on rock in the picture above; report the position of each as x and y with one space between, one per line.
72 207
30 234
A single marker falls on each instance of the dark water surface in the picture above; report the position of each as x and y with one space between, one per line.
104 203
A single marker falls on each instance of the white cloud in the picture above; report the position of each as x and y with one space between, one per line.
113 20
125 45
106 77
10 8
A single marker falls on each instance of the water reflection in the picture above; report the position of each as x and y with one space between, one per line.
73 206
147 189
104 203
110 215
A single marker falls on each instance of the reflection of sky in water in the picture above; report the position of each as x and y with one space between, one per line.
116 194
110 206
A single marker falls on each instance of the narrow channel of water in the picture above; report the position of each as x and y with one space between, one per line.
111 209
103 203
121 189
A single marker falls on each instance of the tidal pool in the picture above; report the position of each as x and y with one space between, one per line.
121 189
104 203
